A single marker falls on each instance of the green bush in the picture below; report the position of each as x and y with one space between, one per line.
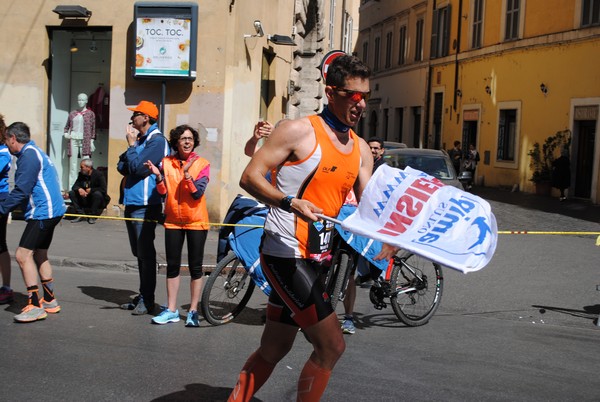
541 158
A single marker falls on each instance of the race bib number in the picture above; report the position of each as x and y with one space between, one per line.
320 236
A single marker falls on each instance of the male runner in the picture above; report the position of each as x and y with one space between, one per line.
319 159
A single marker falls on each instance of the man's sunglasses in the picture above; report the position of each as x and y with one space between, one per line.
136 114
355 96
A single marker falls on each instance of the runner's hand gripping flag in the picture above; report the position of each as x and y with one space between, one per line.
417 212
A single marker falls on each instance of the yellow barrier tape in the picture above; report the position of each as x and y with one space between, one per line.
118 218
503 232
533 232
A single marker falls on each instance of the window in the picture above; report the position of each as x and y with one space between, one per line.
511 27
376 54
402 48
399 124
386 123
477 24
590 14
365 53
331 23
507 135
419 40
347 43
440 32
388 50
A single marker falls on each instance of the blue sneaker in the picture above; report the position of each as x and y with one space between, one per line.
192 319
166 316
348 326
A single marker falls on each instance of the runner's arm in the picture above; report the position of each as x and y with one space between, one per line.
291 140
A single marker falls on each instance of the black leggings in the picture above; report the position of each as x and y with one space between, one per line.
174 244
3 222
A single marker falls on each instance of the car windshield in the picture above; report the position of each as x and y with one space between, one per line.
435 166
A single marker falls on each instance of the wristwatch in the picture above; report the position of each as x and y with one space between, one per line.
286 203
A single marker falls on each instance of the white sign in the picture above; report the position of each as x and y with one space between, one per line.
417 212
162 47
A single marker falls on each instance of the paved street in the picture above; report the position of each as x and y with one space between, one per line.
521 329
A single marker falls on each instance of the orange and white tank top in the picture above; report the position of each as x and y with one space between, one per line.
325 178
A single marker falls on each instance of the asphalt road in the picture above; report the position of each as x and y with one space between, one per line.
522 329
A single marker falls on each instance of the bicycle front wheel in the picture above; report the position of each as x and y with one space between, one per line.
227 291
337 278
416 289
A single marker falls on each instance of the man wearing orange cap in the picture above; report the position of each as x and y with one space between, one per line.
141 199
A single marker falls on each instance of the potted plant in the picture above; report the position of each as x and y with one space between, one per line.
542 158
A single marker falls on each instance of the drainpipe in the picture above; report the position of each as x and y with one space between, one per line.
460 4
428 96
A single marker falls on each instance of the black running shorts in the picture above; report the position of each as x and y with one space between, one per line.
298 296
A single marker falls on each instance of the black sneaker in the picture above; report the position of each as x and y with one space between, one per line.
78 219
131 305
91 221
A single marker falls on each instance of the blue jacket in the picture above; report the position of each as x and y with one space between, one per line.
140 188
36 186
5 162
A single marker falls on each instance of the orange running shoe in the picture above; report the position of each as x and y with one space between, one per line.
51 307
31 313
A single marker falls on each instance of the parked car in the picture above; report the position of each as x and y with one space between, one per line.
434 162
393 145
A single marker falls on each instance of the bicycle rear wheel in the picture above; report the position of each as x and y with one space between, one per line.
416 289
227 291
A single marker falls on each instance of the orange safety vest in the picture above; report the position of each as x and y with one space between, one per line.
181 209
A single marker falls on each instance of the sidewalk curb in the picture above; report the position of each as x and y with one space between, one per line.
124 266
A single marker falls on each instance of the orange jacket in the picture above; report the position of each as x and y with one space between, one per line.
182 210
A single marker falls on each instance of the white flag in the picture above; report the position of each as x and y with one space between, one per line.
417 212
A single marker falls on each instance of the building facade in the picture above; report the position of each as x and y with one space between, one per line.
253 60
501 75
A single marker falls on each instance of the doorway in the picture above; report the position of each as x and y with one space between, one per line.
583 147
469 135
80 64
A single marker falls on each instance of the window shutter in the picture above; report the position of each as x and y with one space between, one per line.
434 34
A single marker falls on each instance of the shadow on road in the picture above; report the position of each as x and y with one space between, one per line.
20 300
116 296
588 312
377 320
199 392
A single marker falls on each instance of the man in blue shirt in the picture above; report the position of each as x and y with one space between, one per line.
143 203
38 189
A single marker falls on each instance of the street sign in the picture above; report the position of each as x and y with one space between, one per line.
329 57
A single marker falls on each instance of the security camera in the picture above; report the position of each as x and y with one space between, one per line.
259 29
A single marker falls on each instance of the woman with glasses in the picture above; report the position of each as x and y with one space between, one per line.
183 180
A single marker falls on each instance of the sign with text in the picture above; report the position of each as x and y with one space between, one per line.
165 40
417 212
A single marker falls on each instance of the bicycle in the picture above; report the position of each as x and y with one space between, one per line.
231 284
413 284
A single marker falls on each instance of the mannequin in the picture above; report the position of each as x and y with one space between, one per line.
80 131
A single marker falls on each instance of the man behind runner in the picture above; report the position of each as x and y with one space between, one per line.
319 160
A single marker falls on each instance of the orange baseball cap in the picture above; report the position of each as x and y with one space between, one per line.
148 108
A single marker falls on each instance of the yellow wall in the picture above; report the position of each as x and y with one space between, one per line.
516 76
222 103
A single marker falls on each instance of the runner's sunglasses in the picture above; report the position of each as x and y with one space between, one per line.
355 96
